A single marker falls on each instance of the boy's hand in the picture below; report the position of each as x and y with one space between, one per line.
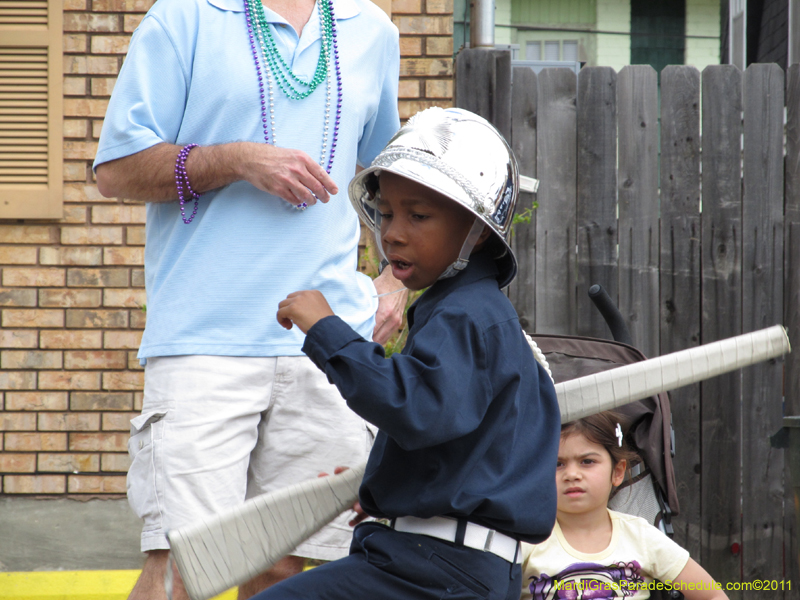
303 309
360 514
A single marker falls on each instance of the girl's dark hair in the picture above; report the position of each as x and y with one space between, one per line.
601 429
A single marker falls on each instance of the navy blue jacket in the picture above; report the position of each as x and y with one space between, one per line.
469 422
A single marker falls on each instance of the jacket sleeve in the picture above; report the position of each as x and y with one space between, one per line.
436 391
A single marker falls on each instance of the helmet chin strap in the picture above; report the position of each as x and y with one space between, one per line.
377 232
466 249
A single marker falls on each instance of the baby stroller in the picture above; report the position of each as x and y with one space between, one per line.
649 489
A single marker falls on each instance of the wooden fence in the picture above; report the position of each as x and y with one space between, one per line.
684 202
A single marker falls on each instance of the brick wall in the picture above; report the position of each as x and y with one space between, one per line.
426 49
72 291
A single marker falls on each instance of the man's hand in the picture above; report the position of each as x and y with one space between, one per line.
389 315
289 174
303 309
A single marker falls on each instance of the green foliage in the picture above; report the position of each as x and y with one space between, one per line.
522 217
525 215
398 341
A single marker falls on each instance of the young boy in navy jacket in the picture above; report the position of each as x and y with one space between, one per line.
463 466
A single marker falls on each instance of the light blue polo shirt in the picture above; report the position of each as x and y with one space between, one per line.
213 286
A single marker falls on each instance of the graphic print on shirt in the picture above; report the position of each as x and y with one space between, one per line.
589 581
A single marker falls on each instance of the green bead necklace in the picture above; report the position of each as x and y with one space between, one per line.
293 86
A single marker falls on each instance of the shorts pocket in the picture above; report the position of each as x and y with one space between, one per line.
460 576
145 468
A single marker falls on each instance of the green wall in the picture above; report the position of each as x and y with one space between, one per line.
554 12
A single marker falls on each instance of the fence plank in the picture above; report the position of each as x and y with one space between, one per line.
722 315
597 193
483 85
680 277
791 305
522 291
637 98
762 306
555 217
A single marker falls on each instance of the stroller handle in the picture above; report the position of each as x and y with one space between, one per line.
611 314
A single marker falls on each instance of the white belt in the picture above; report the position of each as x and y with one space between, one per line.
476 536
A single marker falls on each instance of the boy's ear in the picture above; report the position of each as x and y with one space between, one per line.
484 235
618 473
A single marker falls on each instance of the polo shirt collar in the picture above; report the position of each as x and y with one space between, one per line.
343 9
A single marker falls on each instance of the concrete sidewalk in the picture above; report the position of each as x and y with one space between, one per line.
67 535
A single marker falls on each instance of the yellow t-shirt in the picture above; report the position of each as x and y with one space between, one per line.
637 554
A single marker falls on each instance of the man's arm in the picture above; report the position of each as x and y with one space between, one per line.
391 306
149 175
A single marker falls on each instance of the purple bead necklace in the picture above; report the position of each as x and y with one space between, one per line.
267 99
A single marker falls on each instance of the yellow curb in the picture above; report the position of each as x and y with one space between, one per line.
74 585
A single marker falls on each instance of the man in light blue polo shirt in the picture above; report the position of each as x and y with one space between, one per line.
255 116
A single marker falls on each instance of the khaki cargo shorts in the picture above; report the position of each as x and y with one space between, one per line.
215 430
